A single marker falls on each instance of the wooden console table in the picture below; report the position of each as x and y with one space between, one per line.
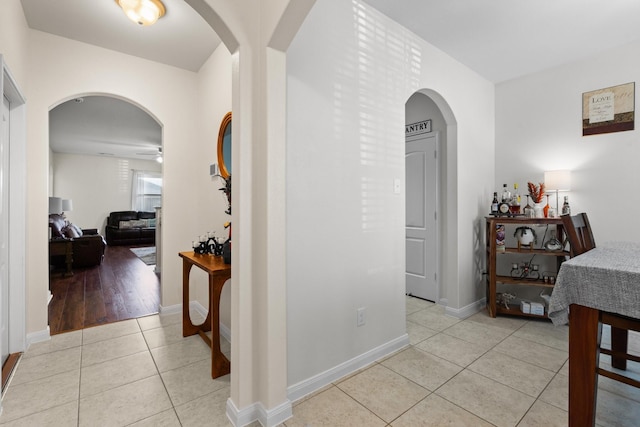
63 247
219 273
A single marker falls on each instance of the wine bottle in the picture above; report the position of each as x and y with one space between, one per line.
506 195
566 209
494 204
514 206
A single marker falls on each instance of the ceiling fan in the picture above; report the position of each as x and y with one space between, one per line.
156 153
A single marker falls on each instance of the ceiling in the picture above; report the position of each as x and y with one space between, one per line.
104 126
180 38
499 39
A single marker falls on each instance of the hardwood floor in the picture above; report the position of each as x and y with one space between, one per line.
122 287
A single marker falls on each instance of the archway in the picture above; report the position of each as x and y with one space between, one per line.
431 123
105 158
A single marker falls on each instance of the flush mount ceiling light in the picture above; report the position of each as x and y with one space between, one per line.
142 12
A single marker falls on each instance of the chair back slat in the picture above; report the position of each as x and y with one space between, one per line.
579 233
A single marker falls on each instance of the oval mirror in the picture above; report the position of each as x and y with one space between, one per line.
224 146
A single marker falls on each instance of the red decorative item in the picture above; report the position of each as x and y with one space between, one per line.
536 191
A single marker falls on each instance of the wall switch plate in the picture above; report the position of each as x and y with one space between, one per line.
360 320
397 186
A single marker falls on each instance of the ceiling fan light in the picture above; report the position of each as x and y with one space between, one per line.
142 12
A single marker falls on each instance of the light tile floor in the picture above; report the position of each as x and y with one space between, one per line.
477 372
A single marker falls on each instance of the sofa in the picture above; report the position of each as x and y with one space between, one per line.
131 228
87 245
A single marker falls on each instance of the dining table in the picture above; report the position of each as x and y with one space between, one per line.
602 282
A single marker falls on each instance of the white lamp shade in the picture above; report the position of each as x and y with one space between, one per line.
67 205
55 205
558 180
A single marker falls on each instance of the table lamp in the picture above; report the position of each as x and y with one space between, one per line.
558 180
55 205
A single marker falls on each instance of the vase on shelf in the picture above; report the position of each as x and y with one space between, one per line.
528 209
538 210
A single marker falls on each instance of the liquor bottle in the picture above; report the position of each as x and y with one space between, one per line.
514 206
566 209
494 204
506 195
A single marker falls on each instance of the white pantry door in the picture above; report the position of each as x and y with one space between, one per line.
4 230
421 165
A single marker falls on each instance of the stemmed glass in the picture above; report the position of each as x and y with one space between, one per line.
528 209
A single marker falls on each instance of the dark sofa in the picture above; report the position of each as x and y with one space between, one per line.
88 246
131 228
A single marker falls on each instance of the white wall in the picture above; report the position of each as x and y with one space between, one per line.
167 93
539 127
97 185
14 39
348 83
214 101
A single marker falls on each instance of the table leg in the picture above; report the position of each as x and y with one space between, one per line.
220 365
188 328
619 341
584 354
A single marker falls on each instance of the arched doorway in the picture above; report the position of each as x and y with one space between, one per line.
429 136
106 155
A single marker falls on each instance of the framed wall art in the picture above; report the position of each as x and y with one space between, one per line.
607 110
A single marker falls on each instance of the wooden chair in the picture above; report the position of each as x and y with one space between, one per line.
580 236
578 231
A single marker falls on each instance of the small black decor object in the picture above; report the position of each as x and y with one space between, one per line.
208 244
226 252
227 191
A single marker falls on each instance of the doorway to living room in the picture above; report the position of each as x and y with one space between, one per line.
105 157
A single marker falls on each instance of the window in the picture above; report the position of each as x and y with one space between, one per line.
146 191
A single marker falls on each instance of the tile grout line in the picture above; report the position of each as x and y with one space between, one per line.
164 385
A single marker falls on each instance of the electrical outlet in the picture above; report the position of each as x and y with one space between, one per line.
360 318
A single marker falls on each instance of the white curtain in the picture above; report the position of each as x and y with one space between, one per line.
146 190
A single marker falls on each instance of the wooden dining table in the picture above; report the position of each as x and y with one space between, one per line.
602 282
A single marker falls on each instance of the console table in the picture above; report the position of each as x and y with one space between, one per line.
63 247
219 273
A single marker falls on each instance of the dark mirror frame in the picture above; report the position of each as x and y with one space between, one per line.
225 127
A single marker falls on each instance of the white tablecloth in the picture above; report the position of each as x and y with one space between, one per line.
606 278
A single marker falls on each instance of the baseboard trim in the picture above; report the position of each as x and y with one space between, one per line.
40 336
308 386
198 308
466 311
171 309
257 412
225 331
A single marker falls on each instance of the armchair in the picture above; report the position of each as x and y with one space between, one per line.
88 246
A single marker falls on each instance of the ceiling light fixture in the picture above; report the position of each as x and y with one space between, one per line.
142 12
